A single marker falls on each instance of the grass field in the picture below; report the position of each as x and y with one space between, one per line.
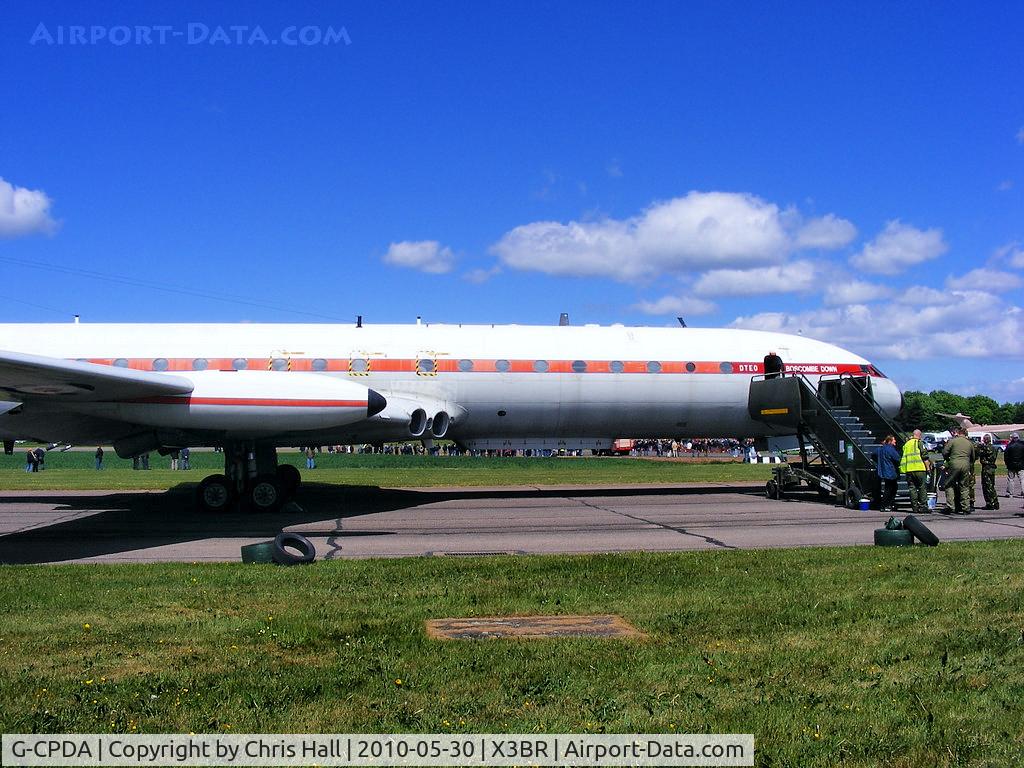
855 656
74 470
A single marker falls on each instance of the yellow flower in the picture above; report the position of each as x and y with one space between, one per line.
88 682
87 627
398 681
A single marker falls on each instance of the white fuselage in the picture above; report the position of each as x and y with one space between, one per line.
502 382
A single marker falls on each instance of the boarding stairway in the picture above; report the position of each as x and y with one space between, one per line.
838 427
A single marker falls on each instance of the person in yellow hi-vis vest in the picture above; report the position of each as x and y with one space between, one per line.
914 464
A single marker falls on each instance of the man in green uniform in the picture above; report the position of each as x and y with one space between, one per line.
987 455
959 454
914 464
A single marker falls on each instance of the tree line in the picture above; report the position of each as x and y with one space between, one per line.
920 410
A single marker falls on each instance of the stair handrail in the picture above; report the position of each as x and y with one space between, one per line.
870 402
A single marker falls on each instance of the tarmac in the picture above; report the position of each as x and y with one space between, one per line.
361 522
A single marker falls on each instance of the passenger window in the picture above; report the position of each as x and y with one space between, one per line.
465 365
319 364
616 366
200 364
540 366
579 366
160 364
121 362
502 366
654 367
239 363
690 367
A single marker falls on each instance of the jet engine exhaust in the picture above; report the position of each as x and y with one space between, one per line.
439 424
417 423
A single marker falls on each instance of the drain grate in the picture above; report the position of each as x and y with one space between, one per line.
533 627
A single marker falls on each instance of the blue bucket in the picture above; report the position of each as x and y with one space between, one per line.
865 505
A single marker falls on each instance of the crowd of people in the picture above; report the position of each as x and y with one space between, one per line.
954 474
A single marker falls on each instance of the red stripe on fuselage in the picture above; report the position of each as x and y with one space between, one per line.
489 365
267 402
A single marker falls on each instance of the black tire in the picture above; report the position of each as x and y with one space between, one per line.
285 542
772 490
853 497
262 552
266 494
215 494
289 478
921 531
898 538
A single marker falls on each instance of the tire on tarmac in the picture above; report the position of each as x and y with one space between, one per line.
772 490
214 494
266 494
920 531
284 543
853 497
898 538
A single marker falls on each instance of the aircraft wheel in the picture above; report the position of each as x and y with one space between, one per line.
266 494
215 493
289 478
772 490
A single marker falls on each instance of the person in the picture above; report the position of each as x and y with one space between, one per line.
959 453
987 456
99 457
915 465
310 457
144 459
773 365
40 459
1013 457
887 464
186 454
31 465
175 456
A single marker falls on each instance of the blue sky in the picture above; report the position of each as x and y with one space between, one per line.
843 172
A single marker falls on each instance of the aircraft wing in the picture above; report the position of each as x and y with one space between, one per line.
35 377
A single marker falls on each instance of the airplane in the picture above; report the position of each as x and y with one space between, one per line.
253 388
1001 431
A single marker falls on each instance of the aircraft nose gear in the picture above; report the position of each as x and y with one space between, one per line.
252 481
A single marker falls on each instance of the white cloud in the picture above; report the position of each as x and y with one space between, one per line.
424 255
24 211
614 169
922 296
841 292
480 275
676 305
969 324
828 232
698 231
1004 186
795 277
985 279
898 247
1020 136
1012 254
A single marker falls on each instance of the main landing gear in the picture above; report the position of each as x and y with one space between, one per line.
252 480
